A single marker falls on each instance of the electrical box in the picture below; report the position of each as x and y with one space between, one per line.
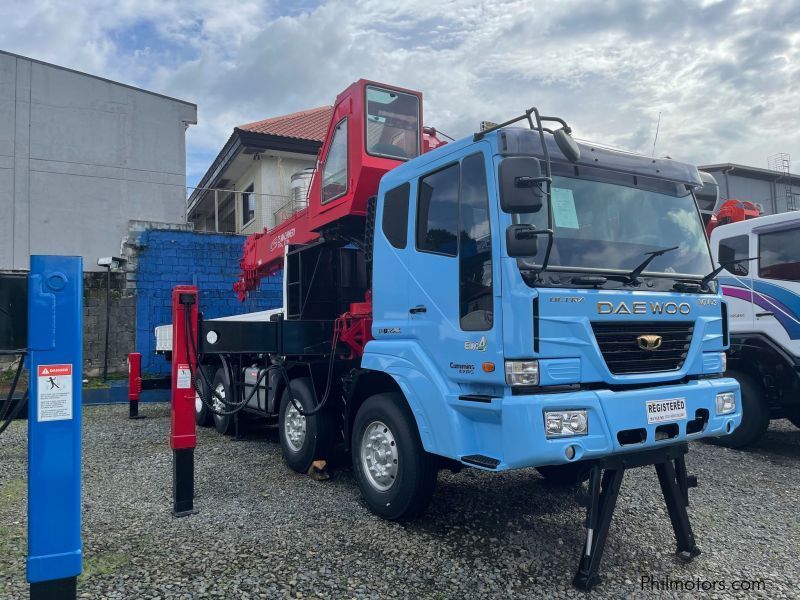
13 313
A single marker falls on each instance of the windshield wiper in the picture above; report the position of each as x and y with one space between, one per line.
722 266
632 278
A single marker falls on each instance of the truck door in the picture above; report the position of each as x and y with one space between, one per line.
453 287
776 309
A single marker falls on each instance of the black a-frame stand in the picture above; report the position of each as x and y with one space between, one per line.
605 479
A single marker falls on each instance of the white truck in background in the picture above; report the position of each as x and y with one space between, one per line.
763 301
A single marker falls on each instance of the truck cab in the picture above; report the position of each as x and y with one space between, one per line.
572 352
762 293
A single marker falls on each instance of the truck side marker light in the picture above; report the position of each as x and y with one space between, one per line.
488 367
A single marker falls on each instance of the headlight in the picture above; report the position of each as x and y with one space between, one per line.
522 372
558 423
726 403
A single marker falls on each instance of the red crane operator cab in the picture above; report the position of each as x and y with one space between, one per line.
374 128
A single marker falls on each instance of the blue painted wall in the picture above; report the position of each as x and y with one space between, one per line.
168 258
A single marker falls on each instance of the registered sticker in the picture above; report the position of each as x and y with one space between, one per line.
184 377
661 411
54 393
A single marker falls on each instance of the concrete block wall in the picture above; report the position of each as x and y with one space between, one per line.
166 258
122 326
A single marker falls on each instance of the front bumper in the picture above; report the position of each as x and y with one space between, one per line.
512 427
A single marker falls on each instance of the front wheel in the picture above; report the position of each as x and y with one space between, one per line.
794 419
755 413
394 473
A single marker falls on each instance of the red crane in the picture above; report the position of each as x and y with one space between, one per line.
373 129
732 211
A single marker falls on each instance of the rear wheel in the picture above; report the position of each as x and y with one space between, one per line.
222 388
566 474
395 474
304 439
202 416
755 413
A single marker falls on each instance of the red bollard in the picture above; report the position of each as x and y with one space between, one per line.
182 433
134 384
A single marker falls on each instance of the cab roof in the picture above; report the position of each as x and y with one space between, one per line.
518 141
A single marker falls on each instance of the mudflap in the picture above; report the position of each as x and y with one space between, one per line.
605 479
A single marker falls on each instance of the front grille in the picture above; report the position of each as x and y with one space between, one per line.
620 349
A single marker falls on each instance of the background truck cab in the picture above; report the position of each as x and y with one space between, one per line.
763 298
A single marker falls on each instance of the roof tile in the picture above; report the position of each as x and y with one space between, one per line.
309 124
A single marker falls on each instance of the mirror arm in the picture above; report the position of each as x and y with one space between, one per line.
528 182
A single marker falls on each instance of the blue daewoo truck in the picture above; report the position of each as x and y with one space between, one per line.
513 299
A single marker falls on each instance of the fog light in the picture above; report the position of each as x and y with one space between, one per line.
522 372
726 403
560 423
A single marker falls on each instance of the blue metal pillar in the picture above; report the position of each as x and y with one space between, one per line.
55 289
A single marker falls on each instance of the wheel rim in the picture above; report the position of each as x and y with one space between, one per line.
294 428
218 397
379 458
198 404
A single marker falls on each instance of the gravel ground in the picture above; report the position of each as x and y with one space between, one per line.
265 532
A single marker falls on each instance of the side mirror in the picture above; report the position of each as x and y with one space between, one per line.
523 240
569 147
521 184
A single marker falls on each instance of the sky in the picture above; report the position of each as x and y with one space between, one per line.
723 74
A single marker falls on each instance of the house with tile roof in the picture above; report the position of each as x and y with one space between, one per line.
261 174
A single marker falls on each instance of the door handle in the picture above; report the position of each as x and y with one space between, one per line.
418 309
765 314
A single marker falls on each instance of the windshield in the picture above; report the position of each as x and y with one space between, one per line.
392 123
605 226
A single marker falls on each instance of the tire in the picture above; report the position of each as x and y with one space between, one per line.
566 474
222 423
304 439
401 487
202 416
755 414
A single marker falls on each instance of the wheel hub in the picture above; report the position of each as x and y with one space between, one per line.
218 397
294 426
379 456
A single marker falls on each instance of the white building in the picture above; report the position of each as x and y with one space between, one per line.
250 181
80 156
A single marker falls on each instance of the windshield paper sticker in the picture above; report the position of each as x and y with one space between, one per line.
564 214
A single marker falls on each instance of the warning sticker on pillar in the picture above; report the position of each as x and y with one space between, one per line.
54 393
184 380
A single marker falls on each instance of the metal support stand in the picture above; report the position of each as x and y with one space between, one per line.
605 479
183 438
55 549
134 384
133 410
183 482
55 589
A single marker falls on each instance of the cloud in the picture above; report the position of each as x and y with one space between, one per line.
725 75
